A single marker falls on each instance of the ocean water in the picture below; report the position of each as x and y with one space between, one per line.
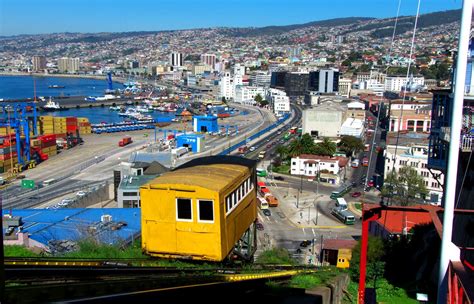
18 87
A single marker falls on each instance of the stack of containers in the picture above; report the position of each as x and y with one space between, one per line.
60 126
84 125
8 153
48 144
4 131
46 125
71 125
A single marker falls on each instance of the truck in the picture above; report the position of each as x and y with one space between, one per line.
178 152
242 150
272 200
125 141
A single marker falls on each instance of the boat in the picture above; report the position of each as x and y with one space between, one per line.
116 108
144 109
52 106
55 86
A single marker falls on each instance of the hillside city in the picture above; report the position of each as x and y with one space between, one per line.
320 148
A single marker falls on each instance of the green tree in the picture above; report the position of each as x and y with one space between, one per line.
295 148
404 187
258 98
308 143
326 147
350 144
346 62
283 152
375 260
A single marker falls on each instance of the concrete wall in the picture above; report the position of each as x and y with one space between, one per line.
327 123
333 293
99 194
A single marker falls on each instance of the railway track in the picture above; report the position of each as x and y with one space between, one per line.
68 279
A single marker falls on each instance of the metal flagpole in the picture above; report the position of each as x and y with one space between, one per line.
448 250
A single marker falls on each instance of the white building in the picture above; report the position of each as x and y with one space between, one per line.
395 83
176 59
279 101
247 94
228 84
239 70
345 85
330 168
352 127
373 85
416 156
324 120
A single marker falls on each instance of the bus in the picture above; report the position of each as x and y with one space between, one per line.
341 191
341 203
49 182
261 155
343 215
261 172
263 204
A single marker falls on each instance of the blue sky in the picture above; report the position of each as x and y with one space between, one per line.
49 16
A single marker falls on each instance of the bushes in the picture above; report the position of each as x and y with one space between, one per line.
275 256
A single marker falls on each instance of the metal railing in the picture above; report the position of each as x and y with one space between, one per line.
467 142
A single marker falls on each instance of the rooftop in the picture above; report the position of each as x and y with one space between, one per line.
215 177
398 220
44 225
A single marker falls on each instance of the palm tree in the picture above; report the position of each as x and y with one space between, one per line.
282 152
295 148
326 147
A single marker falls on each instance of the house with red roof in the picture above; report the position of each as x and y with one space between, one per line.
397 223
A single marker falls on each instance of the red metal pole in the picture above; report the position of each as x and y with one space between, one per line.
363 257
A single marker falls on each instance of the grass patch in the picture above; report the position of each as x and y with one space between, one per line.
305 281
275 256
17 251
283 169
90 249
358 206
386 293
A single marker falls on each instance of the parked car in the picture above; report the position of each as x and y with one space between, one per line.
267 212
356 194
305 243
280 178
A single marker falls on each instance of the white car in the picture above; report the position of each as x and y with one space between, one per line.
81 193
252 149
65 202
